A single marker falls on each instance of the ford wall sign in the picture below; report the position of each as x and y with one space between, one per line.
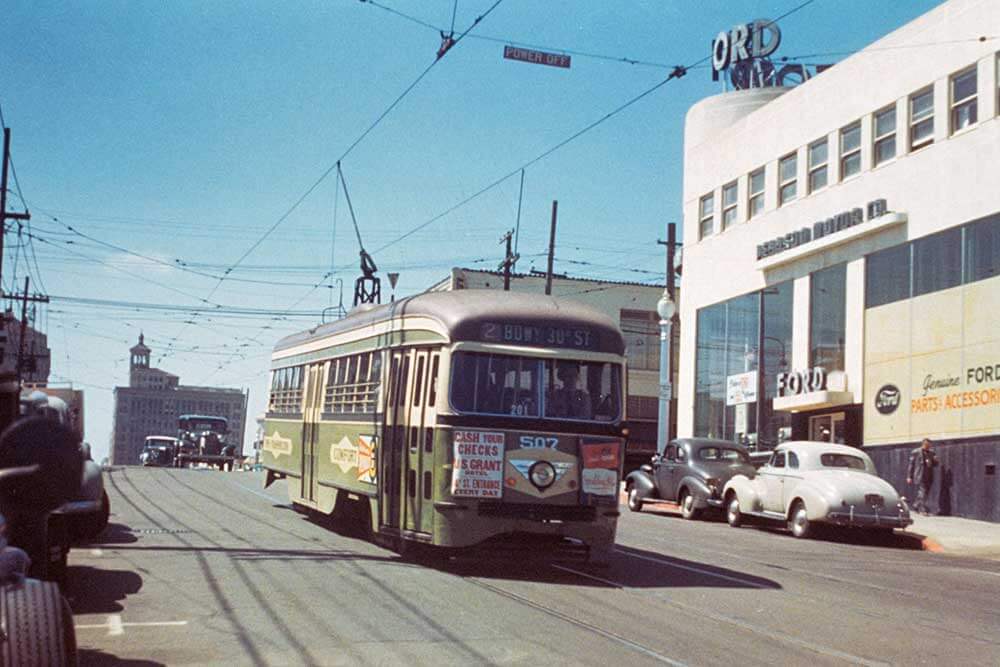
887 399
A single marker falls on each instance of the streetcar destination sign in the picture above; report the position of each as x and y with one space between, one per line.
532 334
537 57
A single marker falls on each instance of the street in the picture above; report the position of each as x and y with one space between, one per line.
203 567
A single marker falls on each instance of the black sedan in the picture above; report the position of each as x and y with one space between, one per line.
691 472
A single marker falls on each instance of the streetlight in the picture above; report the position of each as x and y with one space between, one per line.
665 308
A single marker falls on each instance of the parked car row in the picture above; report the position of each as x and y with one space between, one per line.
802 484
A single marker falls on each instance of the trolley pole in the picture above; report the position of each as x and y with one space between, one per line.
508 261
552 248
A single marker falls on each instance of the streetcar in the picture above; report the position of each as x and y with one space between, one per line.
461 420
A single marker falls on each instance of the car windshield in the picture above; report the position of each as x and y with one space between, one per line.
842 461
723 454
528 387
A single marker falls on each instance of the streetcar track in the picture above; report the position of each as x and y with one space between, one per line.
206 569
827 651
578 622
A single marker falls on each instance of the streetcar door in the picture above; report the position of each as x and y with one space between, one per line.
394 440
313 385
415 437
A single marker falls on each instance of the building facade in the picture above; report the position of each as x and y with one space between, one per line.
36 358
153 401
633 306
857 217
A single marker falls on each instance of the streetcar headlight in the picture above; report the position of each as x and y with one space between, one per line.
542 474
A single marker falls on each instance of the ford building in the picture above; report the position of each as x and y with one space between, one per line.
856 216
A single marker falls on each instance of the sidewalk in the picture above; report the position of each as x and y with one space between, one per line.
955 535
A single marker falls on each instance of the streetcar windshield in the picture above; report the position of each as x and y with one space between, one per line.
528 387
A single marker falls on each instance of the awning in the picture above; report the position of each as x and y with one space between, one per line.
814 400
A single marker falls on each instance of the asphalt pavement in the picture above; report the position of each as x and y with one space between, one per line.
203 567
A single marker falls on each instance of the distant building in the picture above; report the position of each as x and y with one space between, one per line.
633 307
36 358
155 398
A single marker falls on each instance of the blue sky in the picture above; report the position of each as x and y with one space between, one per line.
185 130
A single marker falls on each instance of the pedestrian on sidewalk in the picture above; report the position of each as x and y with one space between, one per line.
920 472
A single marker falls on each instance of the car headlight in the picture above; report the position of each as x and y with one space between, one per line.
542 474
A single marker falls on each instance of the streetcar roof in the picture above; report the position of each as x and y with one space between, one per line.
462 313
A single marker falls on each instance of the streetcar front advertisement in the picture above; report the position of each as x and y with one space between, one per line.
478 464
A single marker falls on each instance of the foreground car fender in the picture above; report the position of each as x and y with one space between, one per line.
697 488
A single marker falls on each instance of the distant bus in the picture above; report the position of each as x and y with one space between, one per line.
455 419
203 439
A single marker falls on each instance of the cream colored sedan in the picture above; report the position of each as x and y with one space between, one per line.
805 483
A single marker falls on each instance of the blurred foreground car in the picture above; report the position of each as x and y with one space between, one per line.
691 472
808 483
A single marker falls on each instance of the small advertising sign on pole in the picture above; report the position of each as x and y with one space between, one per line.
741 388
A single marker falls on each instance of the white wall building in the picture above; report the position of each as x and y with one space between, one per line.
857 218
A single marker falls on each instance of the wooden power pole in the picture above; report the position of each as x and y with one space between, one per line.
552 248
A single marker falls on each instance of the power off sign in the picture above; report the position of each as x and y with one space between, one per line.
478 467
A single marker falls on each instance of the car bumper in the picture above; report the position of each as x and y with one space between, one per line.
869 519
717 503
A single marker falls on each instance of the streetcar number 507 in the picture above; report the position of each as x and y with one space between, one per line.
538 442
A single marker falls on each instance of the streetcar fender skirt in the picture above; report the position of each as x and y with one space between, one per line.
270 477
643 483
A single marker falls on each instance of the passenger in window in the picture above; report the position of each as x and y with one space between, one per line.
568 400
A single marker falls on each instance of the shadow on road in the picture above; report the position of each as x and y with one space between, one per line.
96 658
114 533
94 591
851 536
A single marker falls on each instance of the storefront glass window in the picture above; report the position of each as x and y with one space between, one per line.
827 311
937 261
778 301
887 276
982 249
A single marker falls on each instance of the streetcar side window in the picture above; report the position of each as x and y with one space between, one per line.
352 384
418 379
432 383
286 390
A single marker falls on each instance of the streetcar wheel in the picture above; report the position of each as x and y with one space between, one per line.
734 517
688 510
798 522
634 501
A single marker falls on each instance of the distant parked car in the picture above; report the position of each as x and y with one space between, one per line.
158 450
691 472
808 483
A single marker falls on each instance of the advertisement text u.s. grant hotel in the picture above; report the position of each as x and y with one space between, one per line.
842 247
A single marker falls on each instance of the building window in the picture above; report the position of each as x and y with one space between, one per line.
937 261
827 317
887 276
728 205
642 339
755 193
921 119
787 178
982 249
706 215
885 135
963 100
726 336
817 164
850 150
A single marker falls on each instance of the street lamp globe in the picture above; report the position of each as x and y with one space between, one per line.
666 307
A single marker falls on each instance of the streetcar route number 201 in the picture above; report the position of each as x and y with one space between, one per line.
538 442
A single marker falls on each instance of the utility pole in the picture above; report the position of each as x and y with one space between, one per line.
4 215
510 258
666 308
36 298
552 248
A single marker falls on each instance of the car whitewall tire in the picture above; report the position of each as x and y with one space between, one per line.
799 522
734 517
634 501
